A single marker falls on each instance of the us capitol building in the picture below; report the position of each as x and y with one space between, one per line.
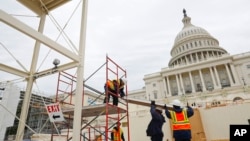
200 71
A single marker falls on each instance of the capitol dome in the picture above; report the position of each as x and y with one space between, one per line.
193 44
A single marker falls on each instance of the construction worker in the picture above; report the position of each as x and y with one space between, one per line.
121 85
180 120
117 133
98 137
113 88
154 129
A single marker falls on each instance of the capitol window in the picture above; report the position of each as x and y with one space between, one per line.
215 103
248 66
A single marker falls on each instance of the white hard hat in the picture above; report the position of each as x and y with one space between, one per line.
176 102
124 80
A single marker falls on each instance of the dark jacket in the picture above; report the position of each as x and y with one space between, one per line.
156 123
181 134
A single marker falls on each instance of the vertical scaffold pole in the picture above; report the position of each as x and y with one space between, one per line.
80 73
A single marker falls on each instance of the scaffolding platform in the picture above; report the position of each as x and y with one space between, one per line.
93 110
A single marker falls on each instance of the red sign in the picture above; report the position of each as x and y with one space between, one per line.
55 112
53 108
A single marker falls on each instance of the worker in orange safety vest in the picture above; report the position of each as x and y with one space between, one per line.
180 120
98 137
113 88
117 133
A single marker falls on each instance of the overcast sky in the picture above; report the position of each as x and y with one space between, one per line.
136 34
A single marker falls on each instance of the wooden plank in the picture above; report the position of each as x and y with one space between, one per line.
146 103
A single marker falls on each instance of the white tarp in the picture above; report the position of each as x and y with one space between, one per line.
8 106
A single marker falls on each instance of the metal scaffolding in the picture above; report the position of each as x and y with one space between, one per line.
106 112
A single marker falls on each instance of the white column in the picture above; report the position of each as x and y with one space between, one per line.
202 81
186 59
229 75
236 77
191 81
178 84
197 58
203 57
169 88
217 76
212 76
191 56
213 53
182 86
165 86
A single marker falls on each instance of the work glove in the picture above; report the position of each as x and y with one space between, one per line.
165 107
152 102
188 105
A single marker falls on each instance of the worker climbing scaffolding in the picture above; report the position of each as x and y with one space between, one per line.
114 88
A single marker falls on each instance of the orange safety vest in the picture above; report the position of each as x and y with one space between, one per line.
110 85
180 120
120 83
117 134
99 138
